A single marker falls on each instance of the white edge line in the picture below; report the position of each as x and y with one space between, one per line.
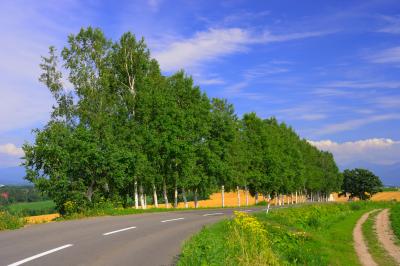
211 214
40 255
172 220
120 230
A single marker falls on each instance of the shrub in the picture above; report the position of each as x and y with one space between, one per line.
8 221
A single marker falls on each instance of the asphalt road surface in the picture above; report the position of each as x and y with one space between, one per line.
140 239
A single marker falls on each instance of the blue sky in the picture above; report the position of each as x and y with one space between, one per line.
328 68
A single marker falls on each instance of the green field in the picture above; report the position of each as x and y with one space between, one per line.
31 208
293 236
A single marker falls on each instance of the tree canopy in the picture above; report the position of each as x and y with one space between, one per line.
125 131
361 183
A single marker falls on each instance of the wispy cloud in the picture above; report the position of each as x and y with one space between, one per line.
355 123
392 24
214 44
375 150
390 55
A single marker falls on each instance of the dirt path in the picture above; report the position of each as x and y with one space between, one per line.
385 234
359 242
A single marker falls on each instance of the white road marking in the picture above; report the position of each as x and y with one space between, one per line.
120 230
40 255
211 214
247 210
165 221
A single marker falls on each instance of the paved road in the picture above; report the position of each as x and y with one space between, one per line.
142 239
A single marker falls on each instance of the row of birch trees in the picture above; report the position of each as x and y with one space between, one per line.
122 132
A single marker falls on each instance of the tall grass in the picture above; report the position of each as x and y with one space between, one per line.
8 221
395 220
319 234
32 208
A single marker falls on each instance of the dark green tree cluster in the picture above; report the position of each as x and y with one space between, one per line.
122 131
360 183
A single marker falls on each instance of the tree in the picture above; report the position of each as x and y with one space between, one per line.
361 183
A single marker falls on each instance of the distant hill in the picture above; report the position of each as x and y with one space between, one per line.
13 176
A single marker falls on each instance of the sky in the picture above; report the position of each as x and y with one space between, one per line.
330 69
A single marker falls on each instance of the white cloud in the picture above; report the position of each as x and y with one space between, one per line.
390 55
11 149
375 151
215 43
355 123
393 24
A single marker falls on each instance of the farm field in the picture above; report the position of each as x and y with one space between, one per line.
32 208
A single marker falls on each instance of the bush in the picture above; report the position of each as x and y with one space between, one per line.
8 221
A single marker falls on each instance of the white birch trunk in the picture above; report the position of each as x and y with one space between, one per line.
136 196
145 201
155 196
165 194
238 195
256 197
141 196
296 197
223 195
184 198
247 195
176 197
195 199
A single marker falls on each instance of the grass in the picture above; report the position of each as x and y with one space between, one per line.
319 234
32 208
395 221
379 254
8 221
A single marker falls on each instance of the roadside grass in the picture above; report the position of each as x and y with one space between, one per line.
8 221
378 253
317 234
32 208
395 221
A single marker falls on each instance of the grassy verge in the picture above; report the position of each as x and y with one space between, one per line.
32 208
395 221
307 235
379 254
8 221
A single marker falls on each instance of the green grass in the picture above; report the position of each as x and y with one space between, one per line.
395 221
32 208
378 253
8 221
319 234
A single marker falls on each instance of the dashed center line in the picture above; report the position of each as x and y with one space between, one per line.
40 255
120 230
247 210
165 221
212 214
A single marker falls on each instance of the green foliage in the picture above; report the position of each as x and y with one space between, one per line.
292 236
8 221
20 194
125 129
32 208
361 183
395 220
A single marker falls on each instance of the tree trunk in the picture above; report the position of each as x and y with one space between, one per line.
136 196
165 194
296 198
238 195
89 192
176 197
276 199
195 198
184 198
223 195
256 197
141 196
155 196
247 195
145 201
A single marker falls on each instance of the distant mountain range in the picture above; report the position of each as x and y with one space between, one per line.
13 176
390 174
